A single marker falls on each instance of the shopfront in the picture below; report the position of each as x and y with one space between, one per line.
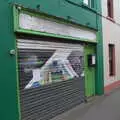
51 78
51 71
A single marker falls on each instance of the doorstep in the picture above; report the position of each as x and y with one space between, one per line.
91 99
77 112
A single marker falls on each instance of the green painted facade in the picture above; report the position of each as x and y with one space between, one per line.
71 10
89 72
99 89
8 82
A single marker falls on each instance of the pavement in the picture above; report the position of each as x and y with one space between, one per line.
106 107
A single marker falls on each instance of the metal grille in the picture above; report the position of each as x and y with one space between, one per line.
51 78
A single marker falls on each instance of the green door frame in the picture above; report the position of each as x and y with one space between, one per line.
90 72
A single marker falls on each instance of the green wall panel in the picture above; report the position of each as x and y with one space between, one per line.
89 72
8 78
100 69
8 83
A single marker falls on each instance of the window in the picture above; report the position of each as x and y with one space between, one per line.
86 2
111 59
110 8
90 3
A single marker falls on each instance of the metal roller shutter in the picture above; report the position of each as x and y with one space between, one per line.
51 78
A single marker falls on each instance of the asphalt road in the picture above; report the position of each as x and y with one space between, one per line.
103 108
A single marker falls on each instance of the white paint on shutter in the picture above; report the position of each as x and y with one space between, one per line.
35 44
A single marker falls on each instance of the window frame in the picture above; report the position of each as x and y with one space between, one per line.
110 9
112 64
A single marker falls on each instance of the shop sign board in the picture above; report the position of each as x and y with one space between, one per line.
47 25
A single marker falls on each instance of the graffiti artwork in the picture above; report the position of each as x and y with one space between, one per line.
49 66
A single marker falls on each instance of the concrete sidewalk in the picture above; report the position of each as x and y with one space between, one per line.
102 108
